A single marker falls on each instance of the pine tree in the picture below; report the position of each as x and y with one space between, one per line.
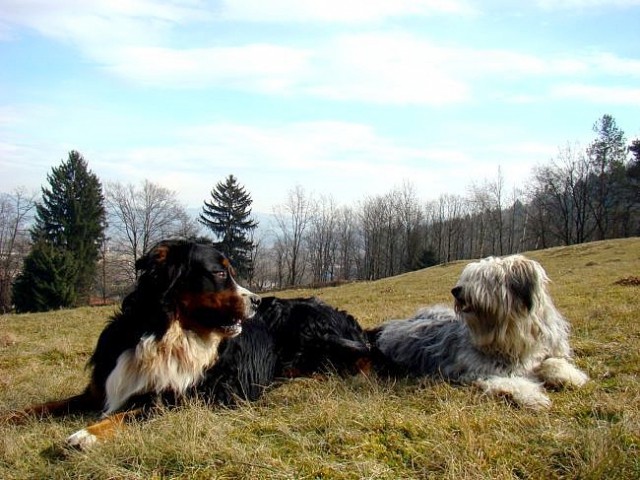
47 280
68 229
228 216
607 155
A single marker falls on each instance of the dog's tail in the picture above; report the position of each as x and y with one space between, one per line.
86 401
349 345
355 354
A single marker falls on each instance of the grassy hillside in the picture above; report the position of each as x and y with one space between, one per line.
358 427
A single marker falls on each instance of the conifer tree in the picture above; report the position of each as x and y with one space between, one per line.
68 229
607 154
228 216
47 280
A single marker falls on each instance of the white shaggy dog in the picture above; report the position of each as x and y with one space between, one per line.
504 335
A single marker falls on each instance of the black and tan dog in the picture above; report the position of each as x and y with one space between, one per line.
189 329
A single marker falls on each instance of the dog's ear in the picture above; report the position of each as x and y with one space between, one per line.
523 281
154 258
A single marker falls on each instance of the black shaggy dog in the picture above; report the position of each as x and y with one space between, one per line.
286 338
189 329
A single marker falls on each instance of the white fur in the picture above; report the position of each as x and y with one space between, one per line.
174 362
559 373
249 305
520 390
81 440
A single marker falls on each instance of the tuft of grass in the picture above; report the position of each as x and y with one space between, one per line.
356 427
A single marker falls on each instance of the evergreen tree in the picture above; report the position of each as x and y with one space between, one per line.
47 281
607 155
228 216
68 229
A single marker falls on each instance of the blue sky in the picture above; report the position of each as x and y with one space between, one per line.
346 98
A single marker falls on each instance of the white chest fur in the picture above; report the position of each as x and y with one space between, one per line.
174 362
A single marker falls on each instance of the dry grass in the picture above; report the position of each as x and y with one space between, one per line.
357 427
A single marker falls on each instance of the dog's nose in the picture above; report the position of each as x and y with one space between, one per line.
456 292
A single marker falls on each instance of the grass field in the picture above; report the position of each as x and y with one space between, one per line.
359 427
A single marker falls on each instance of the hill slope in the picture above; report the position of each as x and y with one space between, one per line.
358 427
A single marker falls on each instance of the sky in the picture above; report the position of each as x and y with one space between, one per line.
347 99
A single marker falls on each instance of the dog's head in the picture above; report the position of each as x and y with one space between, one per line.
194 282
496 297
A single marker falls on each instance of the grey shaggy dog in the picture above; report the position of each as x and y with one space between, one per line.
504 335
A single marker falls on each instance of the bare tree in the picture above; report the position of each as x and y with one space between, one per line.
561 193
15 209
292 219
487 200
373 225
140 217
446 225
322 242
348 256
410 216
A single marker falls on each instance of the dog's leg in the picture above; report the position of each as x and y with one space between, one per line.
105 428
559 372
521 391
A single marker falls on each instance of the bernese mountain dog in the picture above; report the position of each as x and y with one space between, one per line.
188 329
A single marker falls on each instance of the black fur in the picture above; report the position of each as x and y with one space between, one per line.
286 338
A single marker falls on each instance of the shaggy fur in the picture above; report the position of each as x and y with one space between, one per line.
504 335
286 338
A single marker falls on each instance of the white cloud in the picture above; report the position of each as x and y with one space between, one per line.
339 11
348 161
382 67
609 95
585 4
257 67
614 65
90 24
378 68
392 68
132 39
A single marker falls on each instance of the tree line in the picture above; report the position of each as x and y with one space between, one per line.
84 239
581 195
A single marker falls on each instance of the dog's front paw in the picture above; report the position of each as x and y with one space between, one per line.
82 440
560 373
519 390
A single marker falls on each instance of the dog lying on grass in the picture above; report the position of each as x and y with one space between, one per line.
189 330
503 335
